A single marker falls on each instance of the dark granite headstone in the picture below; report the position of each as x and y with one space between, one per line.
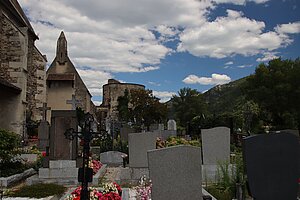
272 165
60 147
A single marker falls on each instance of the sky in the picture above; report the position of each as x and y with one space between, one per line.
166 44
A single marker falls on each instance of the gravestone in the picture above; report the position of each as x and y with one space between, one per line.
165 134
124 131
292 131
61 163
172 125
175 173
215 145
43 135
43 129
60 147
139 144
272 165
112 158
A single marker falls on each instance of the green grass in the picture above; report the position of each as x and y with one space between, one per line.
39 191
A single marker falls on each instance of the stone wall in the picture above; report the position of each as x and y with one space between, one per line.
112 91
36 84
13 68
22 65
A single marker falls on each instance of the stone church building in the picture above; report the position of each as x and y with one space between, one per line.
64 84
22 70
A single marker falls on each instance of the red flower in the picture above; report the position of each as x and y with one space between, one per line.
118 188
44 154
111 196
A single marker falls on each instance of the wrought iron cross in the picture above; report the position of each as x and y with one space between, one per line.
74 102
87 134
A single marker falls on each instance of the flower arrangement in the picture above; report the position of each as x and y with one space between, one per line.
144 189
111 191
95 165
173 141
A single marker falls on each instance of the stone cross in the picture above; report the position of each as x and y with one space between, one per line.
44 110
74 102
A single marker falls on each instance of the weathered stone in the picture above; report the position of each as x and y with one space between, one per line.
176 173
139 144
43 135
20 60
112 157
62 148
8 181
172 125
215 145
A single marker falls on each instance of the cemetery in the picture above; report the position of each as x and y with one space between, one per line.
230 143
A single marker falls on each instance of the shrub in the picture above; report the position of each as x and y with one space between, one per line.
9 143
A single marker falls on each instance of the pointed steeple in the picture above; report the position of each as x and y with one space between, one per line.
61 50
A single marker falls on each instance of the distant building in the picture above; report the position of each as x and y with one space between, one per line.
64 82
22 70
111 91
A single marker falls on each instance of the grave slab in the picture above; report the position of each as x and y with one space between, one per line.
139 144
215 145
176 173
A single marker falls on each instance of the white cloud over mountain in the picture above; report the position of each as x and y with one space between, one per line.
215 79
164 96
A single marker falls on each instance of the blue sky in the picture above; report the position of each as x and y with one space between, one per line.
167 44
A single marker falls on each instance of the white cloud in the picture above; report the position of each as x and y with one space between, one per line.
244 66
267 56
154 83
229 63
164 96
230 35
215 79
97 103
94 80
240 2
113 36
290 28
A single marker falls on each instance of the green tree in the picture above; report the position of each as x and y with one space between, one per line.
188 104
275 87
123 106
142 107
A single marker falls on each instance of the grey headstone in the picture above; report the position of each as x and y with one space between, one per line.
165 134
139 144
43 135
60 147
176 173
215 145
172 125
124 131
153 127
112 157
272 164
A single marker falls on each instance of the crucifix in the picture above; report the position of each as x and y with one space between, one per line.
44 110
74 102
85 173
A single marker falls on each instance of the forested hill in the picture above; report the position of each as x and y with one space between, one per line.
223 98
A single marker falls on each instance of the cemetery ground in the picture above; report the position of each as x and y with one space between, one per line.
160 157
